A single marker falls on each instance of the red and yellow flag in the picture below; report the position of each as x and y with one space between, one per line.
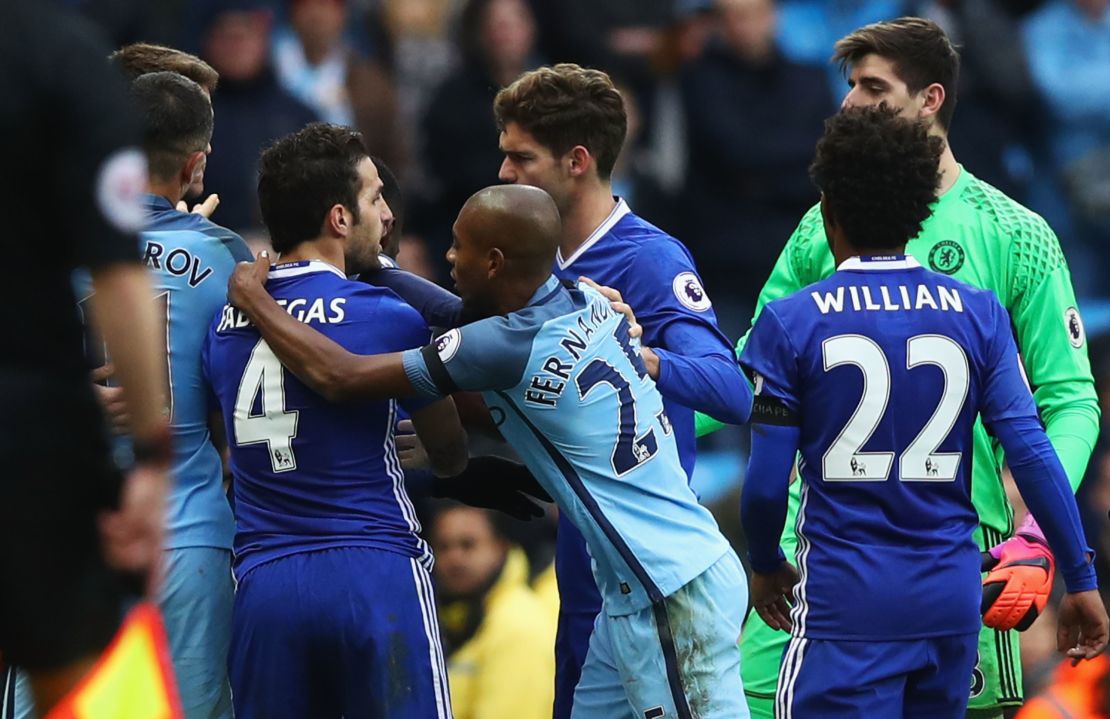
133 679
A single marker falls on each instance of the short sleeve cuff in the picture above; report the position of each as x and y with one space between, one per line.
416 369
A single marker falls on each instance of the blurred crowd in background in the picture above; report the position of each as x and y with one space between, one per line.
726 100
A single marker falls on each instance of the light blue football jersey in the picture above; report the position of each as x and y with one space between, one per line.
190 260
570 393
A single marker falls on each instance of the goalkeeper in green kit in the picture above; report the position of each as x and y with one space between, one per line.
979 236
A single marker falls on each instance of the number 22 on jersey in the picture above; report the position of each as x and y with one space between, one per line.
920 462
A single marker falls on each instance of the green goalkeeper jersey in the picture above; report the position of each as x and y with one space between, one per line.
982 237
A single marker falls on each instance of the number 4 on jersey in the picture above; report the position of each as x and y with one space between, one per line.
273 425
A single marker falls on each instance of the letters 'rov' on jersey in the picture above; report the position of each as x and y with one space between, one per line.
571 395
310 474
888 365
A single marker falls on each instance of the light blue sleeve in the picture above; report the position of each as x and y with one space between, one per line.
488 355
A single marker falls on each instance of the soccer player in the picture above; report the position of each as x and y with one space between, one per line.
334 614
571 394
142 57
69 522
977 235
562 128
190 259
877 375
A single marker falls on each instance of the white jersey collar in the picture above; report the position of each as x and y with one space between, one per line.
304 267
879 262
607 224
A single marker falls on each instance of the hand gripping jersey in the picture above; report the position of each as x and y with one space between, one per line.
571 395
309 474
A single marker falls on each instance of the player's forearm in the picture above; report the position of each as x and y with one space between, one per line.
711 383
437 306
1040 477
1073 430
765 495
123 310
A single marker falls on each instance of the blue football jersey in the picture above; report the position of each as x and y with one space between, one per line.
656 275
309 474
572 396
190 260
887 366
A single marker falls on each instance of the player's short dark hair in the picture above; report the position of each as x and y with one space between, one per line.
303 175
920 50
567 105
878 173
142 57
177 119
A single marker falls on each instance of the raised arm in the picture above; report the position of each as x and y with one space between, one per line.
325 366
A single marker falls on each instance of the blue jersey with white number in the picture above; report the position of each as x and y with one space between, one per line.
189 259
887 365
310 474
573 398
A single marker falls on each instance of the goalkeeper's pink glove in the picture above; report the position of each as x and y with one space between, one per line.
1019 578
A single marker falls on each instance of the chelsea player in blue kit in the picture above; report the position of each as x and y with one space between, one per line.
566 384
334 613
876 376
561 129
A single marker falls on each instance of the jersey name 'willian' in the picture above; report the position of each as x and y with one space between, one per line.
889 299
547 385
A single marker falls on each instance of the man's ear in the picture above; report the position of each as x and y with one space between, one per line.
496 262
579 161
338 221
934 96
193 170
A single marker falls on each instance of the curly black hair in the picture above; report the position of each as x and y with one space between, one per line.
878 173
303 175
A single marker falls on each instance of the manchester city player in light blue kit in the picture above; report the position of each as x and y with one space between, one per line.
190 260
876 375
566 383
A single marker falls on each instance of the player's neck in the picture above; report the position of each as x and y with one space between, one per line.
517 295
172 191
584 215
845 252
324 249
949 169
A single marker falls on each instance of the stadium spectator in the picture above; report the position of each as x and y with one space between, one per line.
315 63
459 135
497 634
251 105
1071 39
422 53
1078 692
752 119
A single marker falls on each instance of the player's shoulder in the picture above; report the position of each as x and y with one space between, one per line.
1006 218
197 231
643 241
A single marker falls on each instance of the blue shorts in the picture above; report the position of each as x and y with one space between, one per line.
676 659
348 632
196 599
918 678
579 605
